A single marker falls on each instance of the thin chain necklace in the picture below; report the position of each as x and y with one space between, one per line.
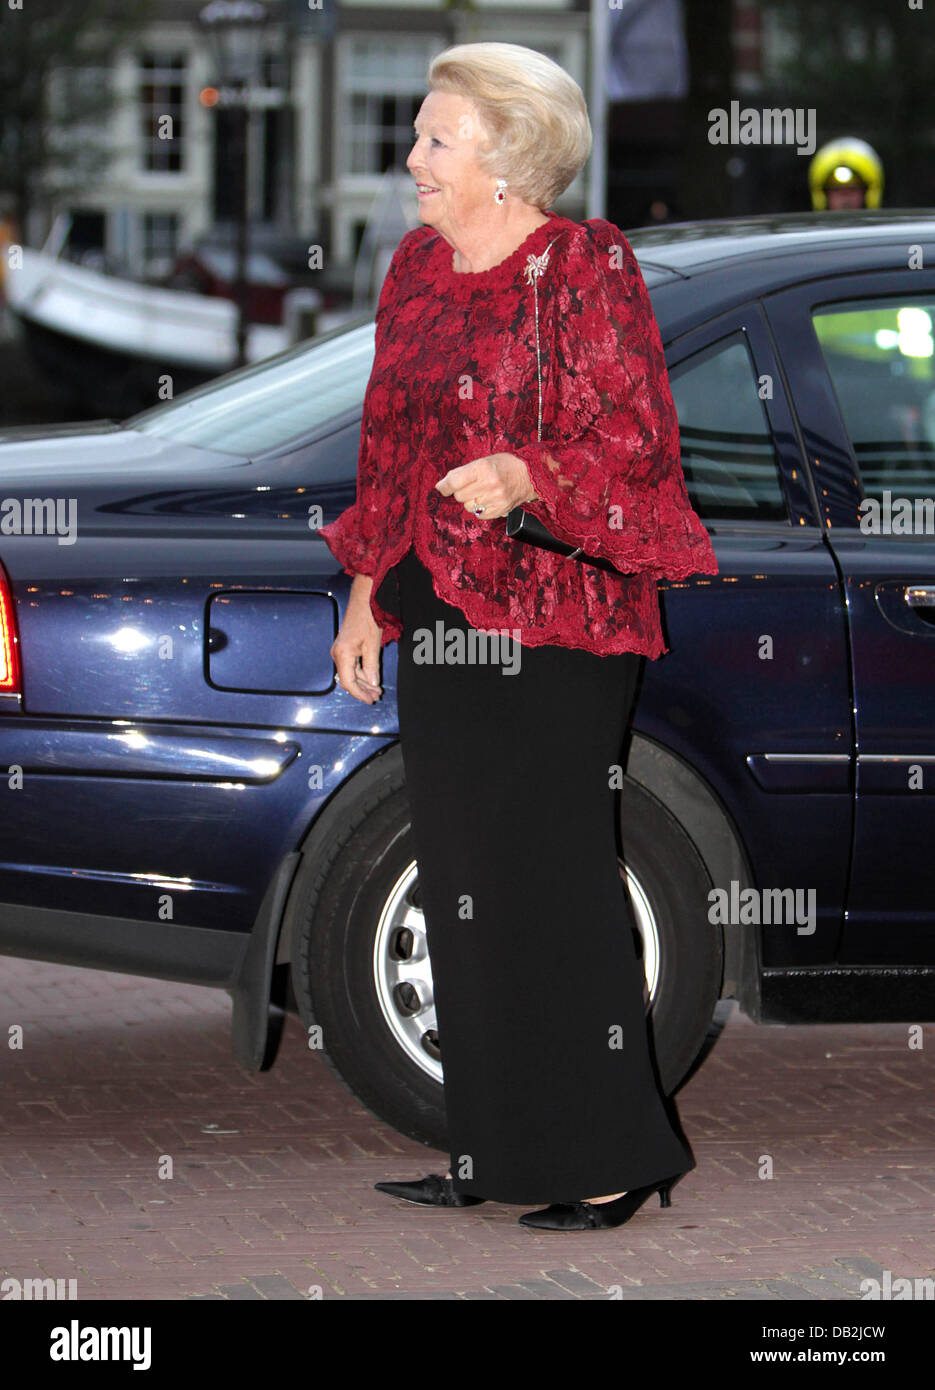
535 267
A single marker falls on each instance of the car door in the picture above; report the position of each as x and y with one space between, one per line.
754 691
859 353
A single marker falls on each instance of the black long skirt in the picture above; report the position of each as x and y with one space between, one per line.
551 1087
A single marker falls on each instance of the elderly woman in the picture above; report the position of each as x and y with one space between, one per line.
518 364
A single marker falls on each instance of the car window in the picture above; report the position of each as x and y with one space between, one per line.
271 403
728 457
879 354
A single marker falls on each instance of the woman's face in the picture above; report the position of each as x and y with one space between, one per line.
448 132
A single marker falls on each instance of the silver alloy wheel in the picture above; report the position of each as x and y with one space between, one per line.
403 971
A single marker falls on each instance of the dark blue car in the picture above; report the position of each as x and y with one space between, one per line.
188 794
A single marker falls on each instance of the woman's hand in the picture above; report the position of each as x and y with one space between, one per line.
356 649
497 482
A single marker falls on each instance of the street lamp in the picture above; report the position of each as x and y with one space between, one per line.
232 26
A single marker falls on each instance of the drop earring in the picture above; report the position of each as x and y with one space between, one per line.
500 196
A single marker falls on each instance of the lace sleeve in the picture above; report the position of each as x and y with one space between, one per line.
607 471
353 537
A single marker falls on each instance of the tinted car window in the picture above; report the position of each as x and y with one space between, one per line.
880 356
271 403
730 465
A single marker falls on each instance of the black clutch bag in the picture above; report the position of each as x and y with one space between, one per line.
523 526
520 524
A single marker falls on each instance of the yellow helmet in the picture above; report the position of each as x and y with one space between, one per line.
842 162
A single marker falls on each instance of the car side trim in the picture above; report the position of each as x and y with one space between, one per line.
842 994
192 955
139 748
801 772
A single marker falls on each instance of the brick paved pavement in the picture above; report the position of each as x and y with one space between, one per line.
272 1197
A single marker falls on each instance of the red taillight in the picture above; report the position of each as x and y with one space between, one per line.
9 644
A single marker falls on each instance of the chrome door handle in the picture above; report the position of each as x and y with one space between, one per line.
920 595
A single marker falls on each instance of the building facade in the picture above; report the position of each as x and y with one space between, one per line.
335 97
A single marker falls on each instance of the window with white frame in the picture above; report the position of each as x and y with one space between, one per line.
160 241
161 111
384 86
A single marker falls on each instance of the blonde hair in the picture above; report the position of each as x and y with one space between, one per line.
533 111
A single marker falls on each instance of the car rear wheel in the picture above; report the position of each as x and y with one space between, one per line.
361 969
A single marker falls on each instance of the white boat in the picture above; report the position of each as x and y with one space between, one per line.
111 343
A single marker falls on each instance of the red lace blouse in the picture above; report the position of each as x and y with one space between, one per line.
454 379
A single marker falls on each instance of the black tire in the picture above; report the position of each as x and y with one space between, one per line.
670 873
336 900
343 887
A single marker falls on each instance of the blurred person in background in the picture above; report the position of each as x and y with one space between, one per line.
845 173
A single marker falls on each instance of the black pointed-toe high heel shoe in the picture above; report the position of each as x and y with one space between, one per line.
433 1191
600 1216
